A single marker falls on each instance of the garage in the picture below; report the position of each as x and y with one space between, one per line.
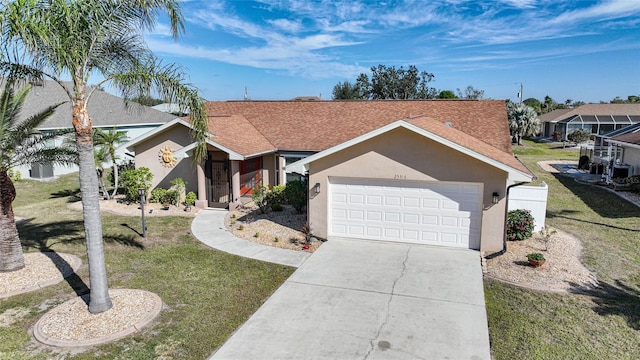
422 212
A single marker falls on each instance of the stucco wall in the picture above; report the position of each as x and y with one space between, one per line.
631 157
147 155
402 154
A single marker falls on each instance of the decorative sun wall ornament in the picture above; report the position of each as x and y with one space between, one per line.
166 157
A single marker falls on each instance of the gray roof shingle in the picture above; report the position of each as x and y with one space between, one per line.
106 110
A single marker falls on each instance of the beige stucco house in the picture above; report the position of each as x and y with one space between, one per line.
434 172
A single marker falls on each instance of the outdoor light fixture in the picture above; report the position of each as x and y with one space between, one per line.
316 188
495 197
142 192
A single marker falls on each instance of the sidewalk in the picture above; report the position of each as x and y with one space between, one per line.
208 227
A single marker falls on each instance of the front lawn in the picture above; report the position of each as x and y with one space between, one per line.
207 293
604 324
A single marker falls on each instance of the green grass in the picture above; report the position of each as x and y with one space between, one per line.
207 293
602 324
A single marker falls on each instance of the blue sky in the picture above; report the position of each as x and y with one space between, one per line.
579 50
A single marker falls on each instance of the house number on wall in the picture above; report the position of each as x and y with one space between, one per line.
403 177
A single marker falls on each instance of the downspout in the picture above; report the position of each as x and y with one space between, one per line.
506 214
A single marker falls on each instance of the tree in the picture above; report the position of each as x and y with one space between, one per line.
147 100
347 91
523 121
397 84
533 103
109 140
81 38
471 93
446 94
578 136
20 144
101 156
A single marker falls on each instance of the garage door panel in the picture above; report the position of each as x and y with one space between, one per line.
420 212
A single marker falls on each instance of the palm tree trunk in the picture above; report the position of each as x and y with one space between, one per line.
115 176
99 300
11 256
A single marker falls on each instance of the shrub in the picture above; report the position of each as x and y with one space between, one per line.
276 196
276 207
519 225
14 174
260 197
134 179
172 197
295 194
190 198
578 136
536 257
157 195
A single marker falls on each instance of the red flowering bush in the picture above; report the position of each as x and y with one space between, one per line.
519 225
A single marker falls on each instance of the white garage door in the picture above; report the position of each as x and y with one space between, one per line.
437 213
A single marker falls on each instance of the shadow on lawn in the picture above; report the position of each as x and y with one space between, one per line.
620 300
600 200
73 195
563 214
43 237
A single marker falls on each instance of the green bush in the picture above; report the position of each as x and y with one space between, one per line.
172 197
190 198
519 225
276 207
276 196
134 179
578 136
295 195
157 195
260 197
14 174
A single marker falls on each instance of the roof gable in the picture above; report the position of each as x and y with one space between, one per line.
442 134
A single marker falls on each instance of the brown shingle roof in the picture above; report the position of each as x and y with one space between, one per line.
633 138
319 125
592 109
236 133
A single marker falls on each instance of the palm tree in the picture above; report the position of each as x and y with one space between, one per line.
108 140
523 121
81 38
21 144
101 156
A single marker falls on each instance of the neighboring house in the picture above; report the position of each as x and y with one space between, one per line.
626 151
435 172
595 118
107 112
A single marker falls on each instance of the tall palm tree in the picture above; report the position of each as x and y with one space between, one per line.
523 121
109 140
20 144
81 38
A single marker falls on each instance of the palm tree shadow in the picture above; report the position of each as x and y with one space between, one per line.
39 237
621 300
72 194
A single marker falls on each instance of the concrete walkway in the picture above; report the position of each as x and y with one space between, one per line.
356 299
208 227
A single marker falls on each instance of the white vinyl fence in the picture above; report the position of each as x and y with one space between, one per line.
532 198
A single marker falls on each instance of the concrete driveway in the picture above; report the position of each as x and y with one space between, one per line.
355 299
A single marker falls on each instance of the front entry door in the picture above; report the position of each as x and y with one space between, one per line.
218 191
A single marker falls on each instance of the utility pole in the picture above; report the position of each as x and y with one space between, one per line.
520 93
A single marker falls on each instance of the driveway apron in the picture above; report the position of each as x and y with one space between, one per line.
355 299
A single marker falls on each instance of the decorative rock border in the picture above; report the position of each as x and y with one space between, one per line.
71 325
40 271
